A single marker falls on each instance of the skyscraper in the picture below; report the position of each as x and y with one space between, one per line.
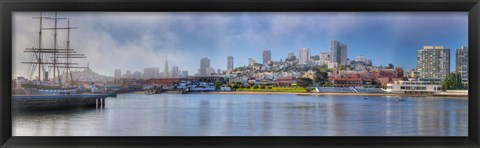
184 73
338 53
324 57
230 63
343 54
290 55
267 56
165 70
433 62
462 63
137 75
152 72
175 72
304 55
118 73
128 74
204 66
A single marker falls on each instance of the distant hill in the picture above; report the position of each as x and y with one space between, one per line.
89 75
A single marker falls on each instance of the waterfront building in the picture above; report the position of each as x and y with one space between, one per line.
433 62
286 81
415 86
462 63
230 63
347 82
204 66
304 55
118 73
338 53
267 56
165 81
175 72
152 72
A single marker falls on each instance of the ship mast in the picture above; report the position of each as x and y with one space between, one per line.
58 53
39 58
55 28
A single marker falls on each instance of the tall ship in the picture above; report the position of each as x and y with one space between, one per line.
51 58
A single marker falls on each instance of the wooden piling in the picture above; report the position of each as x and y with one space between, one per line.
103 102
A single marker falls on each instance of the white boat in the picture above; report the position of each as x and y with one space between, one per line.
204 87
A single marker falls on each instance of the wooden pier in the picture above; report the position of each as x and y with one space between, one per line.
58 101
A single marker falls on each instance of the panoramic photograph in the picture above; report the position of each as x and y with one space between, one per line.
240 74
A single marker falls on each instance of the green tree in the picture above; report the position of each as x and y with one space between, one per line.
251 83
217 84
446 83
304 82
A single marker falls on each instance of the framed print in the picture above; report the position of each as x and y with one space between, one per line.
239 73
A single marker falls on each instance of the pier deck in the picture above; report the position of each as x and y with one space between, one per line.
58 101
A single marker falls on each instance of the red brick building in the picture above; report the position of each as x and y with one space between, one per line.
347 82
286 81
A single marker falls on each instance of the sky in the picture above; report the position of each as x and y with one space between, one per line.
136 40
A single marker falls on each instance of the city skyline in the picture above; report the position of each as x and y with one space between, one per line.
244 35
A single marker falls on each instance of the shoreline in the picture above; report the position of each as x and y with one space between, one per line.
334 94
322 94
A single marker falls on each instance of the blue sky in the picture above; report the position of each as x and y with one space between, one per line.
135 40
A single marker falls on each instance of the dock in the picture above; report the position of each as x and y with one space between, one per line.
58 101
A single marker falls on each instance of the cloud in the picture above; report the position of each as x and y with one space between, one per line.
135 40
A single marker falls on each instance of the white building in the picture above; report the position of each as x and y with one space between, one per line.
360 58
416 86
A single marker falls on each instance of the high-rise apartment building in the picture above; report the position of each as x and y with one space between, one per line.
118 73
338 53
462 63
152 72
433 62
290 55
230 63
267 56
175 72
304 55
343 54
204 66
128 74
184 74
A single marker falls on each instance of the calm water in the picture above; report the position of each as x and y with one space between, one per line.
253 115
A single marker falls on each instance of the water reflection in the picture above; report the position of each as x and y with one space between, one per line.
252 115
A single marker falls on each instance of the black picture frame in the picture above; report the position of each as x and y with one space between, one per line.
9 6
